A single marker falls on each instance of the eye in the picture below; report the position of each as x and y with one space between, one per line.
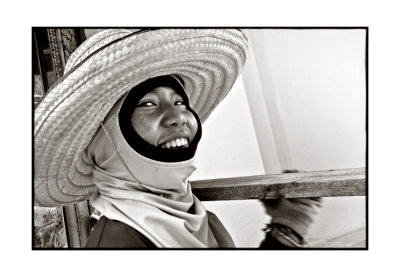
180 102
146 104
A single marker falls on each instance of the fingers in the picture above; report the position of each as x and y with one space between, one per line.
295 213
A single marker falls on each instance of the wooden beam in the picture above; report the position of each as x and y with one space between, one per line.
346 182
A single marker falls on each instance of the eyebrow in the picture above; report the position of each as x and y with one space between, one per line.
149 94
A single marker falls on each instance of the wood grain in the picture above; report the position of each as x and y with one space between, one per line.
331 183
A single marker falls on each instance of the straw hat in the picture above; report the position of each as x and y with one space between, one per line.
104 68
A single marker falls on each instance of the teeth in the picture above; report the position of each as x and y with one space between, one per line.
175 143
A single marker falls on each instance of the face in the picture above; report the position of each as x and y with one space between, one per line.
162 119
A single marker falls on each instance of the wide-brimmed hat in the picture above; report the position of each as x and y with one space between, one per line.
101 71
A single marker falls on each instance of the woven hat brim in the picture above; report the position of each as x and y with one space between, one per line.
208 60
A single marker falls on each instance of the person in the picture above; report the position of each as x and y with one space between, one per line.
121 129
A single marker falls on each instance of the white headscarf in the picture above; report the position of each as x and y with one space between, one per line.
152 197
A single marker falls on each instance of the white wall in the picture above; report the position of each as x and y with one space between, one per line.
316 81
306 91
229 148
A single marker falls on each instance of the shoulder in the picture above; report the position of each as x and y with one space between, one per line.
115 234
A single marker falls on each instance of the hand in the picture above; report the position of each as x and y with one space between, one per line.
297 214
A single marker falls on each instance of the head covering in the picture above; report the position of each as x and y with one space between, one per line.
133 138
153 197
101 71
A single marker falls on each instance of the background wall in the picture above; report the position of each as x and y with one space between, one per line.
228 149
300 104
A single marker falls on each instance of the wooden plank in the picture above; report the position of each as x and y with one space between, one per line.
331 183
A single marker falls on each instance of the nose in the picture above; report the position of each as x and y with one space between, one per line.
174 117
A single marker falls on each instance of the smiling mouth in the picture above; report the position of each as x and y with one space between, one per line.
175 144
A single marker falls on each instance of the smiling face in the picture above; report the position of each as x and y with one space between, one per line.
162 119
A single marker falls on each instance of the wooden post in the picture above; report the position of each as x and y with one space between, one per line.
77 224
62 43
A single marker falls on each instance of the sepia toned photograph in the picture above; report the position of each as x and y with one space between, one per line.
200 138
